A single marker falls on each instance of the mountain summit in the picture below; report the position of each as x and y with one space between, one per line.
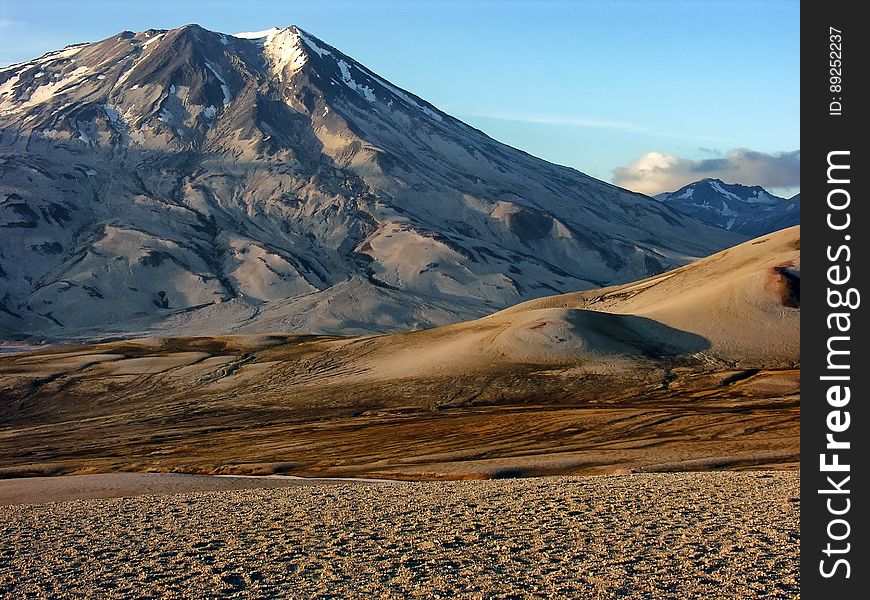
189 181
750 210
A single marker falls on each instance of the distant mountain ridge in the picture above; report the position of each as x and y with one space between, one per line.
750 210
187 181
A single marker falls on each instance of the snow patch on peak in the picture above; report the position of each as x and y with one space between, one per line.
67 52
262 36
54 85
728 212
228 97
688 192
717 185
155 38
365 91
283 50
763 197
321 52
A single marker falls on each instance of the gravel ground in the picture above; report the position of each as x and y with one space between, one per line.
38 490
686 535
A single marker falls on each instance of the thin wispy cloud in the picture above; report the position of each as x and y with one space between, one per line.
585 121
656 172
563 120
7 24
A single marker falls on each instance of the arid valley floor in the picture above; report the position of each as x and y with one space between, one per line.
680 393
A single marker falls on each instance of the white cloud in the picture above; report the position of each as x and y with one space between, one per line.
583 121
655 172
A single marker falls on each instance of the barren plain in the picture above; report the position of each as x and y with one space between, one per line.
652 535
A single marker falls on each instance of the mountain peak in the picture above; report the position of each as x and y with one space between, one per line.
282 48
188 178
733 185
192 28
751 210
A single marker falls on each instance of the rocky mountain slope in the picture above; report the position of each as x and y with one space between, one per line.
752 211
190 181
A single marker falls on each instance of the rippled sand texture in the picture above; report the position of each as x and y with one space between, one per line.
655 535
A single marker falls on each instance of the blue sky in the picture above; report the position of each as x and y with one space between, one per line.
642 93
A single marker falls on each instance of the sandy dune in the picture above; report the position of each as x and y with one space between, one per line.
683 535
693 369
744 301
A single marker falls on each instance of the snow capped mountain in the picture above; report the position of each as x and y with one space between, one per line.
751 211
190 181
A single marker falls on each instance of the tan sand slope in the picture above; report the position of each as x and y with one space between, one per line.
745 301
695 369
